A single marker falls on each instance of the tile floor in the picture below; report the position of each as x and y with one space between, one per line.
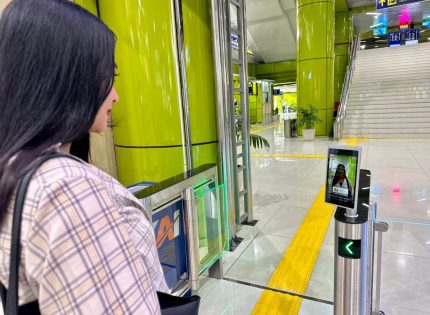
283 190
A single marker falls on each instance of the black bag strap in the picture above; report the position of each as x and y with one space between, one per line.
12 292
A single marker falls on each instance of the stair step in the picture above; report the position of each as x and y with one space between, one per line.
368 98
387 120
352 115
386 126
387 131
372 102
387 107
379 110
385 136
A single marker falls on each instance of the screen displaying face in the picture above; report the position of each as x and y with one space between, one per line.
342 176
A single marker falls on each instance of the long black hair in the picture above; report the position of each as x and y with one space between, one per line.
56 69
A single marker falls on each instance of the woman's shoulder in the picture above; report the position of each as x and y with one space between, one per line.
66 169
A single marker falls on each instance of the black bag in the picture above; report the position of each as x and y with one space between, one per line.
169 304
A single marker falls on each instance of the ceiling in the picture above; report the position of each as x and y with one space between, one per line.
272 24
272 29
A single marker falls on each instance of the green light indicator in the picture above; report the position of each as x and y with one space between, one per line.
347 247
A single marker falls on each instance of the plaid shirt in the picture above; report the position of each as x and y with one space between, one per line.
87 245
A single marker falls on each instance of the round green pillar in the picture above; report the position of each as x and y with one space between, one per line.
343 37
315 60
148 130
200 80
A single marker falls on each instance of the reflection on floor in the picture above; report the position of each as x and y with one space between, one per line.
284 188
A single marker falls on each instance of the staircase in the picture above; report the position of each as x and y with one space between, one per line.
389 95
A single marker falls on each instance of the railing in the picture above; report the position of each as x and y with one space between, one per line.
341 113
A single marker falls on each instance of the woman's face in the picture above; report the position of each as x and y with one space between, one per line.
101 122
341 171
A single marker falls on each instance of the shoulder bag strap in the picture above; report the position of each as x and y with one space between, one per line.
12 292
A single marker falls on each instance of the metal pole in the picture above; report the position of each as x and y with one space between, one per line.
245 108
223 124
179 31
191 224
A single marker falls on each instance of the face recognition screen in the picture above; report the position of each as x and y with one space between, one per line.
342 176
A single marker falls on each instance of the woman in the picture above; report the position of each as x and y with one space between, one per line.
86 244
341 181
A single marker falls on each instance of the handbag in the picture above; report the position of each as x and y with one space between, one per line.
169 304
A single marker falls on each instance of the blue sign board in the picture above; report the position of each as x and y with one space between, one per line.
383 4
377 31
394 39
426 24
171 242
412 36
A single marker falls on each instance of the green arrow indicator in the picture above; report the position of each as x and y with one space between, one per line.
347 247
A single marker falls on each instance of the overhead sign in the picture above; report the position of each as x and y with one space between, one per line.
380 31
383 4
412 36
349 248
394 39
404 26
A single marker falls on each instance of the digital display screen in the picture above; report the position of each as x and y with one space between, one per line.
343 168
377 31
349 248
404 26
426 24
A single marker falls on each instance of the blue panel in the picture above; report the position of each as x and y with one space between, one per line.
395 39
171 242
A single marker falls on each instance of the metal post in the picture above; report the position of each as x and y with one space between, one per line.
380 227
221 78
243 50
180 46
191 225
354 254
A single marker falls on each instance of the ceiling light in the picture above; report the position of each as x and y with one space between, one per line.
373 13
376 46
376 25
363 46
376 37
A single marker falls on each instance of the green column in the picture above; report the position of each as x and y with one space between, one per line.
200 80
148 131
315 59
343 37
90 5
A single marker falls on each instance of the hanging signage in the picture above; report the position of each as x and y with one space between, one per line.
403 26
235 41
394 39
412 36
383 4
380 31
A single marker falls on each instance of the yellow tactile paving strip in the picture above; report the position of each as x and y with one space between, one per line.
261 129
293 156
295 268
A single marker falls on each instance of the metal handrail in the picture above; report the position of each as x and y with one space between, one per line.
341 113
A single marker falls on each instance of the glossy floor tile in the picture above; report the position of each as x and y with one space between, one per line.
284 189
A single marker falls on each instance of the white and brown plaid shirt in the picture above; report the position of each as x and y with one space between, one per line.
87 246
